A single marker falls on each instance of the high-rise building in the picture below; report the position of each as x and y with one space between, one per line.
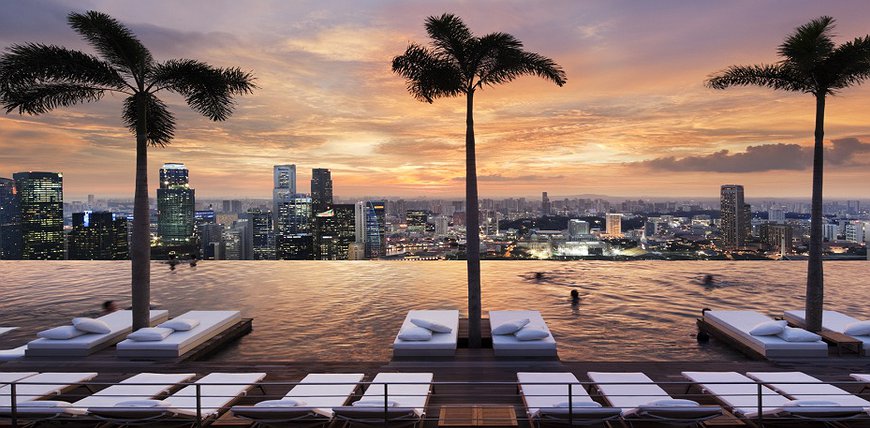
416 220
613 224
777 236
283 188
263 235
239 241
211 240
321 189
734 222
40 196
98 236
370 219
233 206
830 231
295 241
577 228
776 215
442 225
10 221
854 231
546 208
334 232
175 206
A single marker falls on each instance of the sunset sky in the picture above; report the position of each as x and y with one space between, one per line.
633 120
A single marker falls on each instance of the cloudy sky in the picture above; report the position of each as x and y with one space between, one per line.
633 120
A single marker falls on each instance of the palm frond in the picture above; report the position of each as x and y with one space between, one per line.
43 97
809 43
31 64
160 123
114 41
775 76
208 90
450 36
428 77
503 59
848 64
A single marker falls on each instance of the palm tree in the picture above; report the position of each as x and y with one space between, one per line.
460 63
811 63
37 78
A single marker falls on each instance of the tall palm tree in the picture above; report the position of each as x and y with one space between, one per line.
459 63
811 63
37 78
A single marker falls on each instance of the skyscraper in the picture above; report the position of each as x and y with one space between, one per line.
546 208
175 206
263 235
613 224
370 221
284 187
334 232
295 241
733 218
577 228
98 236
10 221
41 208
321 189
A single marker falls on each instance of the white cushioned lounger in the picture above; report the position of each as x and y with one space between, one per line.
740 394
6 377
211 323
320 392
738 324
636 395
46 384
441 344
542 392
831 320
13 354
142 386
410 391
121 323
217 392
812 390
4 330
508 345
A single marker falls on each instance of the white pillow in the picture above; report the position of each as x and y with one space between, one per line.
810 403
414 333
672 402
798 335
431 325
143 403
90 325
180 324
44 403
578 404
60 333
768 328
858 328
375 403
150 334
510 327
284 402
532 332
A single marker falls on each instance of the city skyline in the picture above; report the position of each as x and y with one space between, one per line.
634 105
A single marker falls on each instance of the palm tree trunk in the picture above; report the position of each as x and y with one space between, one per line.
472 229
815 276
141 239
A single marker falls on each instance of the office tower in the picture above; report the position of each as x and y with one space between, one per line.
98 236
401 208
733 218
613 224
211 241
321 189
283 188
370 221
442 225
416 220
92 202
262 234
295 240
334 232
239 241
175 206
577 228
546 208
204 217
10 221
776 215
40 196
777 236
233 206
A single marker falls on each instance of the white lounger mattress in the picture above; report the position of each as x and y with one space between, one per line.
440 344
546 390
45 384
121 323
211 323
507 344
738 324
811 389
321 392
408 390
740 393
831 320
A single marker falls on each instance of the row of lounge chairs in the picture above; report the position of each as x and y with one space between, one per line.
400 399
444 343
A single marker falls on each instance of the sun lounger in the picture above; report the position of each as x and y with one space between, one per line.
4 330
821 399
408 392
139 387
509 345
211 323
832 321
217 391
313 399
545 396
640 398
441 344
40 386
736 325
8 377
13 354
121 323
